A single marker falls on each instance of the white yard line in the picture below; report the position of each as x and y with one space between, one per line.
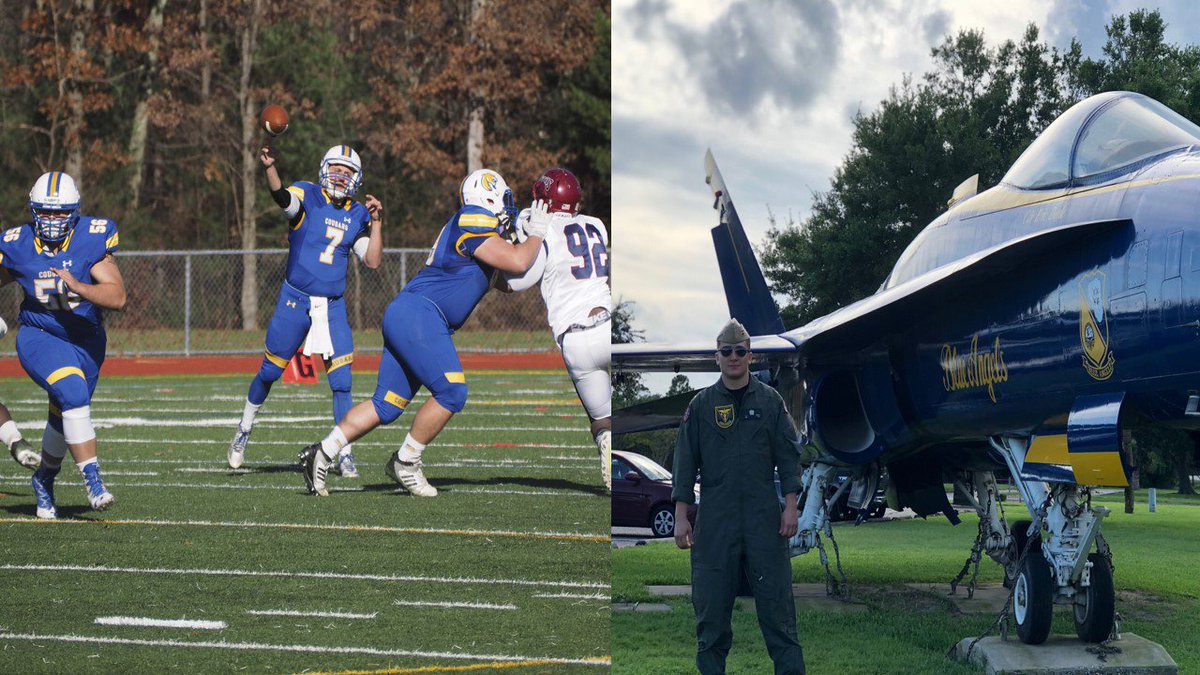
532 534
288 574
309 649
358 444
452 605
267 423
574 596
159 623
16 480
322 615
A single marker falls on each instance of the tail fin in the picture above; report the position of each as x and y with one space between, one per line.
746 291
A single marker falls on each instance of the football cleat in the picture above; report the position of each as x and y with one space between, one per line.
98 496
345 466
43 489
25 455
409 476
314 465
237 449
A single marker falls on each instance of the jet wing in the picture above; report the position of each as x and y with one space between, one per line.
696 357
839 334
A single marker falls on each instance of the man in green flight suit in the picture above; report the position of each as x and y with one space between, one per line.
737 433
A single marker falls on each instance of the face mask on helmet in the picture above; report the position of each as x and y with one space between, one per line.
54 204
560 189
338 183
487 189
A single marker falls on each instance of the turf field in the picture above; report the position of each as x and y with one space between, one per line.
507 569
903 630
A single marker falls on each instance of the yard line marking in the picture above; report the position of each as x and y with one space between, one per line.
452 605
440 669
159 623
322 615
357 444
311 649
15 480
273 423
469 581
511 534
580 596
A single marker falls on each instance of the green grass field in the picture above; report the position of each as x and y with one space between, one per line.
906 630
509 565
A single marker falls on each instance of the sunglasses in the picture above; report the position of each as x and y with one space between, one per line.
728 351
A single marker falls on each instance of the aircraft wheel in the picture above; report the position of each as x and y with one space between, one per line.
1019 530
1095 606
1033 599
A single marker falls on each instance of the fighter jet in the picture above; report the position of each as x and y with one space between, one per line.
1022 332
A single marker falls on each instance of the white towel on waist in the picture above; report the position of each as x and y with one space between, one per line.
318 341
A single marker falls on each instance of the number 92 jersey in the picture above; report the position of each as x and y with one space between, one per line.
575 277
48 304
320 240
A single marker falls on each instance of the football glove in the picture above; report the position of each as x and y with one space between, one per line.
539 219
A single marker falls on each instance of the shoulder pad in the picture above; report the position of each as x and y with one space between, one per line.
477 219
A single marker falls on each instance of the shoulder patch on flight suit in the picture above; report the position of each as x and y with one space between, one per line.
724 415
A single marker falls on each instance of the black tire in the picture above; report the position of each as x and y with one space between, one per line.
1095 606
1033 599
662 521
1019 530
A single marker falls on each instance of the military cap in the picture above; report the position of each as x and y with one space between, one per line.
733 333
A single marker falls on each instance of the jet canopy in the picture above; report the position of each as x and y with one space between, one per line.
1100 138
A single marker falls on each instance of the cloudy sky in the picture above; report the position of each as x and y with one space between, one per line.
772 87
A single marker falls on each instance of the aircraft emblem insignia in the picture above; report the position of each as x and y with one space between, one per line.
724 415
1098 359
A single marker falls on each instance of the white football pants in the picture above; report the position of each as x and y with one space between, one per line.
587 354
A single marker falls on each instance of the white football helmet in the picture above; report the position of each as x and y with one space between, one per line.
487 188
336 186
54 203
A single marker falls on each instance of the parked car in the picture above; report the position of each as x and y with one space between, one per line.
641 494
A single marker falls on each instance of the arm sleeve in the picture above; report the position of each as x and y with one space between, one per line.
294 204
360 247
687 458
785 447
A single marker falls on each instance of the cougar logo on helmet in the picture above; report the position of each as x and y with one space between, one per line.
487 189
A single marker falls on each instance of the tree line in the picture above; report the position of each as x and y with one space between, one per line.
154 107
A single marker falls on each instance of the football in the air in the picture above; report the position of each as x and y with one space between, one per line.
274 120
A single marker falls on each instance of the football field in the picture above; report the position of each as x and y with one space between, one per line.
199 568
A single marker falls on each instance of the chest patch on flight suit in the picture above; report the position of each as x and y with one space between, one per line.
725 416
753 414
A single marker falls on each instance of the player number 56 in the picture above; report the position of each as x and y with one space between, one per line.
53 293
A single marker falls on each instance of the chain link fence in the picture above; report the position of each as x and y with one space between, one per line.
183 303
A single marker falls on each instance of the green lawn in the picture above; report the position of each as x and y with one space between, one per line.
510 564
908 631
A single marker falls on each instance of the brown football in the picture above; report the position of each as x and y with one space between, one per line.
274 120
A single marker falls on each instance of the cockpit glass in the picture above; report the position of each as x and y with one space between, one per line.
1130 130
1046 161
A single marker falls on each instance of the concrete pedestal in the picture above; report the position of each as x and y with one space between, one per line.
1062 655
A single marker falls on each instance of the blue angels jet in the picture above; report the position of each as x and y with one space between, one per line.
1023 331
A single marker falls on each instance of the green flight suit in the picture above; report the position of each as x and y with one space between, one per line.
737 449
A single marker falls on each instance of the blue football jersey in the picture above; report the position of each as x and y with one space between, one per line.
321 238
452 278
48 304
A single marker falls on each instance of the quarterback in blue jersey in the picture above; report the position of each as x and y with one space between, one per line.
64 263
418 350
325 225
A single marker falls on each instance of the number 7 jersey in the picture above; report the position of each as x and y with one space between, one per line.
48 304
575 278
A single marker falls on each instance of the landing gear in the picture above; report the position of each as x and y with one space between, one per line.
1033 600
1095 605
1058 563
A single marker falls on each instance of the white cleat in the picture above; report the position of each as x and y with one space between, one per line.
237 449
409 476
25 455
315 467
